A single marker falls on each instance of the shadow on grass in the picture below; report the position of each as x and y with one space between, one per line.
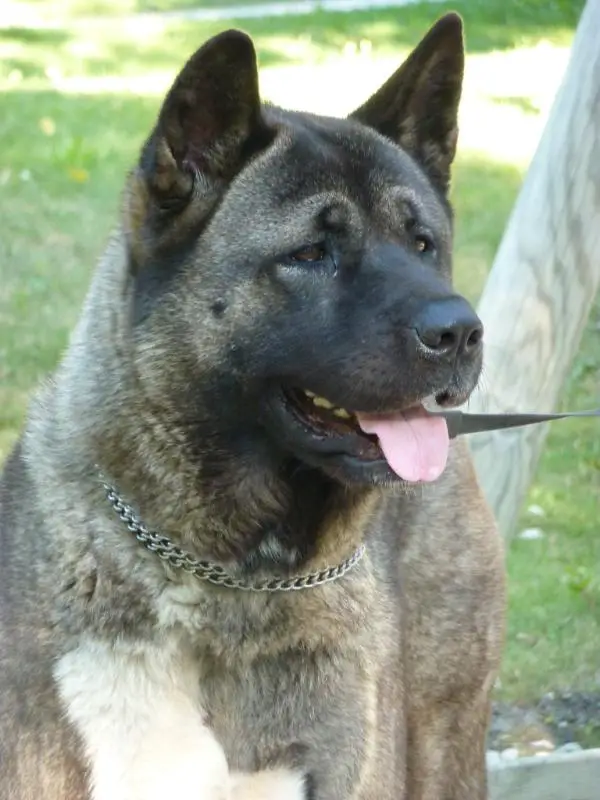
490 25
171 52
483 193
108 51
521 103
50 36
507 18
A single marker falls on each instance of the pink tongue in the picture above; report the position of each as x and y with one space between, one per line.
414 443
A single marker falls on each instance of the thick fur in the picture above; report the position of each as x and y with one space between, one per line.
124 679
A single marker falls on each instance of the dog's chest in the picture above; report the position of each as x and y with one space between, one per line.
270 675
223 622
233 624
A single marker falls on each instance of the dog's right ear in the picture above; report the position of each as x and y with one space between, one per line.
209 124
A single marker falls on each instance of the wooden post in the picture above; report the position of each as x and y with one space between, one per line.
544 279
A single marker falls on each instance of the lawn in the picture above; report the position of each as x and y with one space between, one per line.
78 99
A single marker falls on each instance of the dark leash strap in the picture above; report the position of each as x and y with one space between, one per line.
461 423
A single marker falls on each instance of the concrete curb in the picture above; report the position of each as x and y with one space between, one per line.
558 776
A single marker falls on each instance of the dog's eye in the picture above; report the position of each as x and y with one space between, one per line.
309 254
423 244
418 237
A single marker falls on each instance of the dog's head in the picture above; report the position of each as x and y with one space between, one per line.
291 273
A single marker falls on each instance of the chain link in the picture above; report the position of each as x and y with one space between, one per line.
213 573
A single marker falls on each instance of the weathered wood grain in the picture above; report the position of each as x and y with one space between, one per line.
544 279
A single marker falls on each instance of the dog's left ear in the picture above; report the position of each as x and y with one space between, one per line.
418 106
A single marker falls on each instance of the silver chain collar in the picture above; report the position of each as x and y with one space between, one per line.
213 573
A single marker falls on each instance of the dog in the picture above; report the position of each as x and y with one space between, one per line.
239 558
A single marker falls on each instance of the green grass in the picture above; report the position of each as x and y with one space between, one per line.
76 103
492 25
83 8
554 630
535 15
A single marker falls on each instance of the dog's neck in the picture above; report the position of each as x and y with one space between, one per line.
281 531
260 517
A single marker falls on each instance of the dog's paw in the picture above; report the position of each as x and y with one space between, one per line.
269 784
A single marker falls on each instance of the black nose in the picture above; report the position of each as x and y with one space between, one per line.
449 328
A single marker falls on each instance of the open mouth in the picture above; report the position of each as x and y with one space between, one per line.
414 443
322 418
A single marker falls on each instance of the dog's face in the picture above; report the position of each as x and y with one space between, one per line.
291 274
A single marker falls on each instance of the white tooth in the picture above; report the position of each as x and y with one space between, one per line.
321 402
341 412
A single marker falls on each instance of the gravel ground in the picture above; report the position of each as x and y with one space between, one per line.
560 720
